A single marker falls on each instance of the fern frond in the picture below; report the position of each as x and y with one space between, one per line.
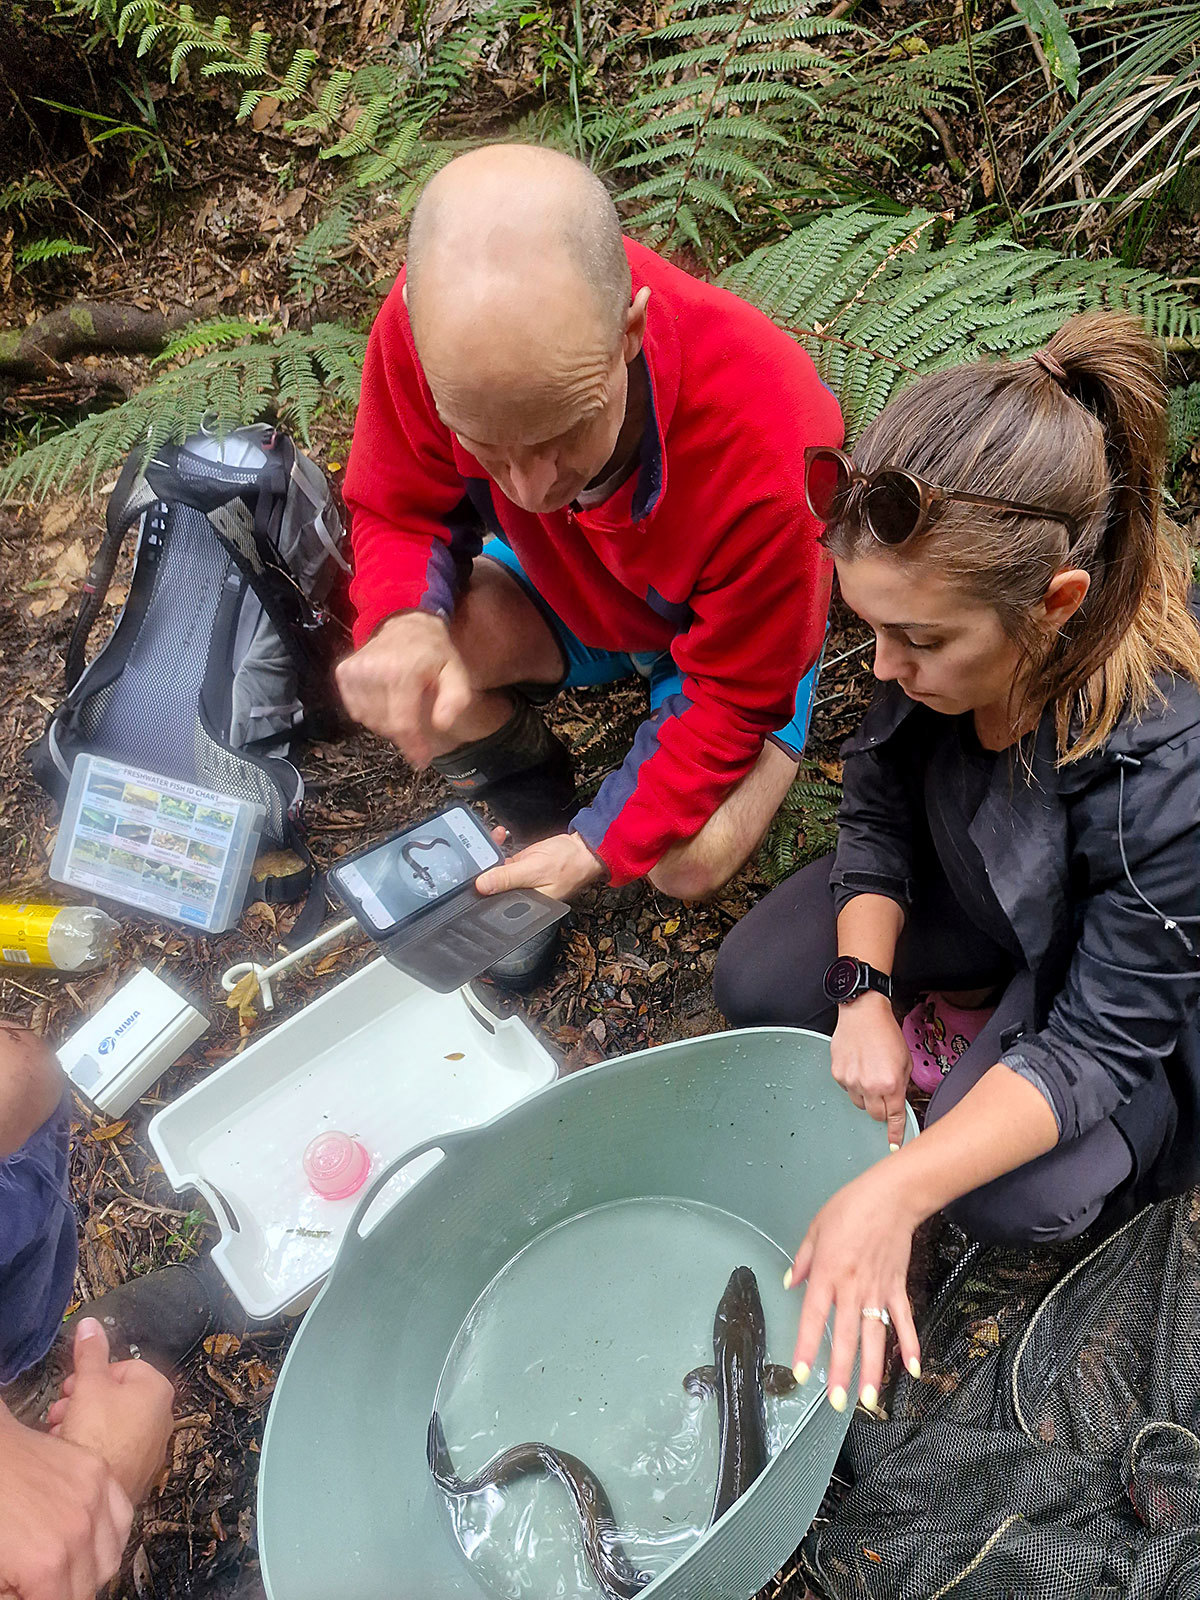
27 192
39 250
804 828
227 387
1183 421
211 335
876 300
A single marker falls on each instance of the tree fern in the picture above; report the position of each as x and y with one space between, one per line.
287 378
877 299
804 827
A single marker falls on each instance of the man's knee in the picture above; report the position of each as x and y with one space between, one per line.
688 873
501 635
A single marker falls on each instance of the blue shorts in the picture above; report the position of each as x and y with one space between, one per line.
587 665
38 1248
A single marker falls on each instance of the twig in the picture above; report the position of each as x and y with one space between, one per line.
981 104
958 167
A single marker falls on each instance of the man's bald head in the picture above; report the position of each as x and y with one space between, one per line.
507 222
518 291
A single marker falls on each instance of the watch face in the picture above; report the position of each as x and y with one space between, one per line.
842 980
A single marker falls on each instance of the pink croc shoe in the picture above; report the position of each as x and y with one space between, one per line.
937 1034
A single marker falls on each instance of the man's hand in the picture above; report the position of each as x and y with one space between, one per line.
871 1060
64 1518
407 684
121 1412
561 866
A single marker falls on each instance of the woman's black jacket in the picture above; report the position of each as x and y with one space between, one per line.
1113 1028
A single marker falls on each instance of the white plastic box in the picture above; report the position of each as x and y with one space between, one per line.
133 1038
379 1057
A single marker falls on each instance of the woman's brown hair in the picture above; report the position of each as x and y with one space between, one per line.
1081 428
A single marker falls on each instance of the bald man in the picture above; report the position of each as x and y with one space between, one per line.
573 462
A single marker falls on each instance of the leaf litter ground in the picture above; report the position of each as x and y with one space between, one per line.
635 971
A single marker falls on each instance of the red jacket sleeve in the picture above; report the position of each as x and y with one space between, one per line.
758 623
413 529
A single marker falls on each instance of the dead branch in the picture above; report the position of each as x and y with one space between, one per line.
42 349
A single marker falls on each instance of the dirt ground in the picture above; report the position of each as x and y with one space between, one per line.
635 971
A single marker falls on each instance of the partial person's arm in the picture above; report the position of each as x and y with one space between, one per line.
413 529
31 1086
857 1248
67 1498
1133 984
868 1055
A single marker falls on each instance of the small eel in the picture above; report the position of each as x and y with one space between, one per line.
739 1376
613 1570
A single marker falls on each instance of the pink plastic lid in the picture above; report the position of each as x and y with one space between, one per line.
336 1165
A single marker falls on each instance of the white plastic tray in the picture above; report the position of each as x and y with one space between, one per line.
379 1057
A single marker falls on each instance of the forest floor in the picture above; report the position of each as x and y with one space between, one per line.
635 971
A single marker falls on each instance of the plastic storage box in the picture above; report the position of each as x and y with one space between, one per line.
166 846
379 1058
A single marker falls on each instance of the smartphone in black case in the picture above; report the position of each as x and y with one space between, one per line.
415 895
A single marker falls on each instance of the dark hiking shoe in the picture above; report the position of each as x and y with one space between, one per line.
160 1318
523 772
529 964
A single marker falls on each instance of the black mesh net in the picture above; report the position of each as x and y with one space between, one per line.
1051 1446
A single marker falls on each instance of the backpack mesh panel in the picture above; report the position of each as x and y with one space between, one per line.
1050 1451
147 715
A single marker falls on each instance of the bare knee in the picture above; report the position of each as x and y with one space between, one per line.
689 874
501 635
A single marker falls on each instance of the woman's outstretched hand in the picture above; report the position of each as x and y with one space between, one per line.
855 1255
872 1062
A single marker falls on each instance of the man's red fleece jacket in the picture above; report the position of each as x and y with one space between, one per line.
709 551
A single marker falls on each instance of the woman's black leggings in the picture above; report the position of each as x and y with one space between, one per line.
769 974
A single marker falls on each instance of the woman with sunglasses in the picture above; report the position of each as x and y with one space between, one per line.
1020 831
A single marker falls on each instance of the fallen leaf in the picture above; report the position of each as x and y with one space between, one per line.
143 1580
263 112
244 992
109 1131
327 963
73 563
52 600
455 1055
59 518
276 864
987 176
672 926
597 1030
220 1345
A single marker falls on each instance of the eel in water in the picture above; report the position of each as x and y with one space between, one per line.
739 1376
613 1570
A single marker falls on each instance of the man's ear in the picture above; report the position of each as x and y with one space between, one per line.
635 326
1066 593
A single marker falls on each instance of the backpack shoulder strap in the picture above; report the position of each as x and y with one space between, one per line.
130 497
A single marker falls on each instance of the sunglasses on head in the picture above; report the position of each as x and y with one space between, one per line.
894 504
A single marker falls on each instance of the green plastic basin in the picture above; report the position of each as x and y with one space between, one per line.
747 1121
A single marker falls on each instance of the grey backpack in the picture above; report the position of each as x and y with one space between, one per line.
223 651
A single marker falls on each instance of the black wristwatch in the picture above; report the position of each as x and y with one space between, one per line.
848 977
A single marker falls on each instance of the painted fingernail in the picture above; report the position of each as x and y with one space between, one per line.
801 1372
837 1398
914 1366
787 1279
869 1397
893 1148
